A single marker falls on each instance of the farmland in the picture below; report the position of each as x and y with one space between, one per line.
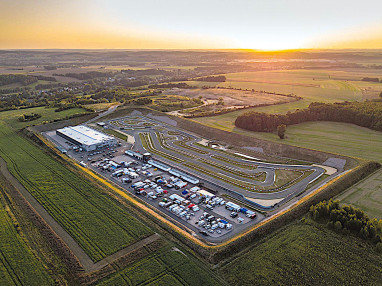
306 254
312 85
18 264
333 137
167 266
328 85
99 225
366 195
47 114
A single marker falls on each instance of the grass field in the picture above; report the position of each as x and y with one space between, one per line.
168 266
366 195
334 137
99 225
47 114
99 106
18 264
306 254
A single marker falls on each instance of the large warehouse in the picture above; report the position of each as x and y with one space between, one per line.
87 138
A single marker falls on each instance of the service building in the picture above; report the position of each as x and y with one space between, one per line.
86 138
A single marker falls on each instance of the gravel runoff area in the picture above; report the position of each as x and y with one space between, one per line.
183 146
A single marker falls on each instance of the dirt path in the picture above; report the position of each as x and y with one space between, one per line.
111 109
83 258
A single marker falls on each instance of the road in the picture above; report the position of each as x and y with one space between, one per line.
110 110
268 168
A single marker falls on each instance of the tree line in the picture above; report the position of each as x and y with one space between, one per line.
372 79
367 114
347 219
17 78
219 78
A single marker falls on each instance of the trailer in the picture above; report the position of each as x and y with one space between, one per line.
176 197
118 173
232 207
180 184
137 184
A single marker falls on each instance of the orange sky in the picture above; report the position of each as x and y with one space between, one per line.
151 24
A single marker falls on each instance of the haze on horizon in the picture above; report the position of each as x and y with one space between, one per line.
171 24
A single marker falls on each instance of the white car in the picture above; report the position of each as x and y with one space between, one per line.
159 189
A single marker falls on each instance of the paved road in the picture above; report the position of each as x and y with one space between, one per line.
268 168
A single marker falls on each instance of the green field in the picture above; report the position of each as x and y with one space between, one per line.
333 137
366 195
168 266
18 264
47 114
99 225
306 254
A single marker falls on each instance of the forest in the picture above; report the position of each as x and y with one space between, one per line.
6 79
347 219
366 114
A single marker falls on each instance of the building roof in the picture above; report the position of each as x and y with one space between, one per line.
85 135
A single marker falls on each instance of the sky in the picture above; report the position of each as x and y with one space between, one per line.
196 24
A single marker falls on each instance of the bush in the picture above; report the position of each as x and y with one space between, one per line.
378 247
337 226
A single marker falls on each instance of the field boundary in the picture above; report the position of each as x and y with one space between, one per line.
82 260
216 253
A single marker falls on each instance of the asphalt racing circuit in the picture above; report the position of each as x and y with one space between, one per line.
256 189
237 174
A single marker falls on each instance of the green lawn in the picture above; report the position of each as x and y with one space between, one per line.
99 225
47 114
168 266
366 195
306 254
18 264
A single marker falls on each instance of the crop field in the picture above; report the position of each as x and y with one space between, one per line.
99 225
366 195
306 254
47 114
232 97
168 266
18 264
312 85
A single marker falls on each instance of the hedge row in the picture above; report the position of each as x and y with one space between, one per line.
328 191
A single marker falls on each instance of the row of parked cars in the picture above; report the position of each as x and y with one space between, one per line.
212 224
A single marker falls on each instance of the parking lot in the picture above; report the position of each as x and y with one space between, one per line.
199 186
205 213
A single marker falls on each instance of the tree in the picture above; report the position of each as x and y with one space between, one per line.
281 131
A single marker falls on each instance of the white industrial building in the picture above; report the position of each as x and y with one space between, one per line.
86 138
